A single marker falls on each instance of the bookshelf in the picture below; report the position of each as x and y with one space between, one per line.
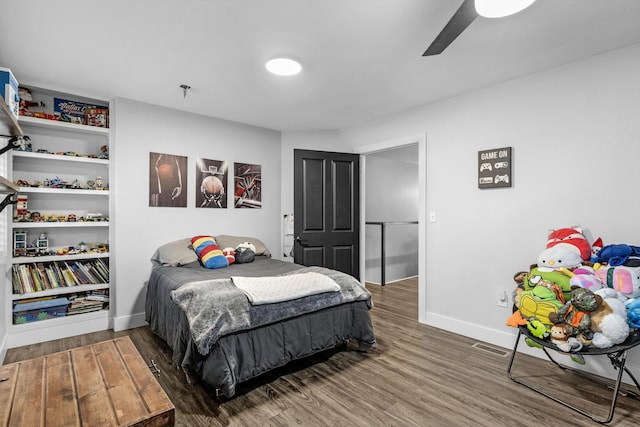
60 225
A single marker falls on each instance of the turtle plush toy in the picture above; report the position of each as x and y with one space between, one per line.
576 313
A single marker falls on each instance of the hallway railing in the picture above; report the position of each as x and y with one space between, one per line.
383 225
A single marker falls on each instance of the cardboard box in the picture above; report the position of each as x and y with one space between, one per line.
41 309
72 111
9 90
98 117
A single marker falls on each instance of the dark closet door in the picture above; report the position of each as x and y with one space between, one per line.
327 210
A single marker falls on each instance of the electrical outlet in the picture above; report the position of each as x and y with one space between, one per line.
503 300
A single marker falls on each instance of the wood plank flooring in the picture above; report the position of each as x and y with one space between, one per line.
418 376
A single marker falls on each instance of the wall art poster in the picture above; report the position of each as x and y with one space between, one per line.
167 180
248 185
211 183
494 168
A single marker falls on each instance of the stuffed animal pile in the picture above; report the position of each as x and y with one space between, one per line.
579 294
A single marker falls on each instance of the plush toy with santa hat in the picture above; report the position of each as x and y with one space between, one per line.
571 238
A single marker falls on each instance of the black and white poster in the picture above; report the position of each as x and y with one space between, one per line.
211 183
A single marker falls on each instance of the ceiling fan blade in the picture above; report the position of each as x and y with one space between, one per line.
463 17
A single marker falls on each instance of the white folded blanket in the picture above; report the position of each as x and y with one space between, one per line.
267 290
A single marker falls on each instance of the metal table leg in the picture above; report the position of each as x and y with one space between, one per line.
618 360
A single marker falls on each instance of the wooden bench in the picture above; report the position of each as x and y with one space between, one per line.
104 384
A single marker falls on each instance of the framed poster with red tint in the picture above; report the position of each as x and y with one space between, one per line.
167 180
247 181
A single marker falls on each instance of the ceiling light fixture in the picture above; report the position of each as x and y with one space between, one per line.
283 66
185 89
501 8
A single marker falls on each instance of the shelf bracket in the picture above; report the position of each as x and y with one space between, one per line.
9 200
15 142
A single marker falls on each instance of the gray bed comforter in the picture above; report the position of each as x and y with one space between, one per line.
215 308
274 334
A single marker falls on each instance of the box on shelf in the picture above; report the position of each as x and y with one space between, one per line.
76 112
39 309
9 90
98 117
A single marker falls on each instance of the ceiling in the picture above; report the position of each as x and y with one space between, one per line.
361 58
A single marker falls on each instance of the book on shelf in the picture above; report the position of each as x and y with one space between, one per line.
15 280
82 304
59 274
77 278
27 281
68 276
98 295
53 277
77 307
41 276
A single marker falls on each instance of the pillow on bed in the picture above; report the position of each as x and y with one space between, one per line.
233 241
175 253
209 252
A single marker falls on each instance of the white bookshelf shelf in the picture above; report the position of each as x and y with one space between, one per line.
65 290
45 224
48 258
59 157
59 321
60 191
64 126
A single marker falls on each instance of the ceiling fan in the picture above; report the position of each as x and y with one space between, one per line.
468 11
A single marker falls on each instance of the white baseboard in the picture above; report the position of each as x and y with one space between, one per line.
3 349
599 365
504 339
122 323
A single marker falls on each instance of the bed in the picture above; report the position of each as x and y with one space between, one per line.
218 336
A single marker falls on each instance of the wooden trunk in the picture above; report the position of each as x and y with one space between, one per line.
104 384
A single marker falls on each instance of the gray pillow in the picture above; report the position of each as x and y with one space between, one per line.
176 253
225 241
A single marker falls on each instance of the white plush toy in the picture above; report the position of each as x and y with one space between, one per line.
609 322
557 257
559 335
247 245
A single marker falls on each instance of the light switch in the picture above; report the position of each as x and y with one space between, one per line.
432 216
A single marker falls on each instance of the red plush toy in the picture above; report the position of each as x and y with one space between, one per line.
230 254
571 238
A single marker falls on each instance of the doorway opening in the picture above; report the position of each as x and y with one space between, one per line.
393 201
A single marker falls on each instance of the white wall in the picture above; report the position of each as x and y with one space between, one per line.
575 133
391 194
140 229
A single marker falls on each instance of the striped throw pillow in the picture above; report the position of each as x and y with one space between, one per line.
209 252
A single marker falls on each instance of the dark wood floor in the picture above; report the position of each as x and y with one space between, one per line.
418 376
